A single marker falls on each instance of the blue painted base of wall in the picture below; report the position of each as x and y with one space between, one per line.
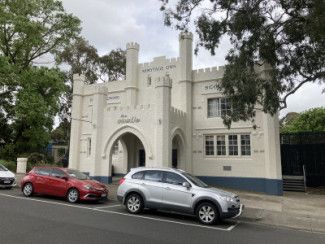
268 186
103 179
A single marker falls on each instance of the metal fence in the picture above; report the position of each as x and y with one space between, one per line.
306 149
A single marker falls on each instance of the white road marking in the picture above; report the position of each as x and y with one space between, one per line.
108 206
124 214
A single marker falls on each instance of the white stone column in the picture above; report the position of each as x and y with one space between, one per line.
162 135
21 165
132 61
99 103
76 110
186 67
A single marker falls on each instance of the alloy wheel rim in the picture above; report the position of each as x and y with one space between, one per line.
207 214
133 204
73 195
28 189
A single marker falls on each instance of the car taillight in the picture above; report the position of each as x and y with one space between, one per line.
121 181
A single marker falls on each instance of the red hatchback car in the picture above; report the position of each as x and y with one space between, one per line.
62 182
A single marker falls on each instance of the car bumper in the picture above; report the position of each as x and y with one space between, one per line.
94 195
233 212
2 185
120 198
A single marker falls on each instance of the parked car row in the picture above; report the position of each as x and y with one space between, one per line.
151 188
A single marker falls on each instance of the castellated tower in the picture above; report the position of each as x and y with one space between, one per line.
185 82
163 106
132 61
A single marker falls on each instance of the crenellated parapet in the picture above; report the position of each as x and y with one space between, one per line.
185 35
177 112
159 64
208 73
164 81
133 45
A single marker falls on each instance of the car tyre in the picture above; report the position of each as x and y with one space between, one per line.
134 203
73 195
28 189
207 213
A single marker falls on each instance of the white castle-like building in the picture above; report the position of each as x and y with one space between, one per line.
165 114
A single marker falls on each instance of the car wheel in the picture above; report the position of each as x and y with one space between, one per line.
28 189
73 195
207 213
134 203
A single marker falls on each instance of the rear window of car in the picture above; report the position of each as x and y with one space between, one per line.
153 175
42 171
138 175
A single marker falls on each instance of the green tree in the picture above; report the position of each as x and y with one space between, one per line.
112 66
310 120
29 32
287 36
61 134
82 58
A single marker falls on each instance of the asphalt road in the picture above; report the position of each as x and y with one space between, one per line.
50 220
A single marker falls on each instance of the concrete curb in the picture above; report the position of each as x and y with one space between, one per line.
283 219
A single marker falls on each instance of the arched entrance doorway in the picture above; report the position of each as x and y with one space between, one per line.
127 152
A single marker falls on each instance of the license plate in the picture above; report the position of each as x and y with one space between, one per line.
6 181
104 195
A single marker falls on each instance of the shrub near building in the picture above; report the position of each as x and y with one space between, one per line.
310 120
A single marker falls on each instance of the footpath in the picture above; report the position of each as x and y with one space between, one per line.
297 210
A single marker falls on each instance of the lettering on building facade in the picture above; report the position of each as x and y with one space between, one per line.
113 99
124 119
159 68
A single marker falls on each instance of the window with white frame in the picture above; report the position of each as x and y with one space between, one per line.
228 145
245 143
88 146
209 145
221 145
233 145
218 107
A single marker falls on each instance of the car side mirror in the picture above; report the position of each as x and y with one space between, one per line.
65 178
186 184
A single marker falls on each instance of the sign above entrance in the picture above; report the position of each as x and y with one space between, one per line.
113 99
159 68
124 119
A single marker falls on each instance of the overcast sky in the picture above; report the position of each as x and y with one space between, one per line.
110 24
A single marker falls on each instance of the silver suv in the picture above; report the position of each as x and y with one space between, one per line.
176 190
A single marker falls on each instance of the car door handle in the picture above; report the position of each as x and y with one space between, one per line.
143 184
167 188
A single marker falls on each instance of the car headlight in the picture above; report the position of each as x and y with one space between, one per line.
228 199
88 187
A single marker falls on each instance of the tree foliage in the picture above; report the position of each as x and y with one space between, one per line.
82 58
286 37
31 30
310 120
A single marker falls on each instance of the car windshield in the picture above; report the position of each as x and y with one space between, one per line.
196 181
3 168
77 174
